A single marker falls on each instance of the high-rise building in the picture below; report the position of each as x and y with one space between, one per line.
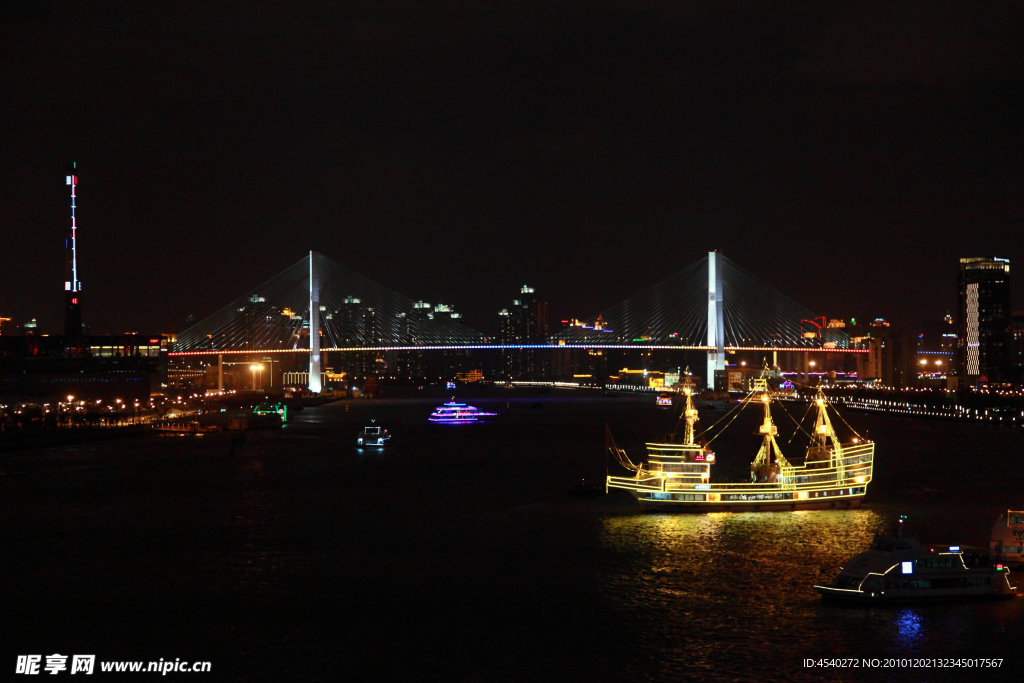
1016 336
984 319
525 322
936 352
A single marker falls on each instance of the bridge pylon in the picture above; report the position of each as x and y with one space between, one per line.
716 324
314 326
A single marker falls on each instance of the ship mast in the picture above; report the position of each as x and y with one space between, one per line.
769 458
824 447
690 415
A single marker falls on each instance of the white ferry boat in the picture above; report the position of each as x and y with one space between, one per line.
898 569
373 435
453 412
677 476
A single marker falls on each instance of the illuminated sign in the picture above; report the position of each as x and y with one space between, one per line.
907 566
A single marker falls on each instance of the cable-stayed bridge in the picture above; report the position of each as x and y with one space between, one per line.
318 305
354 312
710 299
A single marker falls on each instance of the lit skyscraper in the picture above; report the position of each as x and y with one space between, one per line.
525 323
984 318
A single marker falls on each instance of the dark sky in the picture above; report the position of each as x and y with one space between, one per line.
847 153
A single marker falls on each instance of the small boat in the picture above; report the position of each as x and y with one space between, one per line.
898 569
663 401
373 435
453 412
1008 538
677 476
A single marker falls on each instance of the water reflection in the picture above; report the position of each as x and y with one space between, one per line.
909 628
735 579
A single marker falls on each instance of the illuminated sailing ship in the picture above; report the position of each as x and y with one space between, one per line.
677 476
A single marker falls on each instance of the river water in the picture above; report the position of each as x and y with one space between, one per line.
457 553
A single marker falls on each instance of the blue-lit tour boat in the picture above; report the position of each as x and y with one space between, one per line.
453 412
373 435
898 569
677 476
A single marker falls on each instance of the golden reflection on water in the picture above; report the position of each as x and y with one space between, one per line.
688 585
685 539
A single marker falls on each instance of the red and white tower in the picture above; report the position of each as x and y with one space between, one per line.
72 286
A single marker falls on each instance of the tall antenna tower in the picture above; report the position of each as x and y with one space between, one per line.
72 286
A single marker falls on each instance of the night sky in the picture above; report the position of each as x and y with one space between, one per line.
847 153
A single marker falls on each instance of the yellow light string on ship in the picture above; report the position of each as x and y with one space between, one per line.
734 412
828 404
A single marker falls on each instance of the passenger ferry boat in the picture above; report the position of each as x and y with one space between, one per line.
373 435
677 476
898 569
453 412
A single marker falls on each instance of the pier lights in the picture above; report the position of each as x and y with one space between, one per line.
257 371
66 408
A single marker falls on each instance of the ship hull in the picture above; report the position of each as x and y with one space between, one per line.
841 595
759 506
713 501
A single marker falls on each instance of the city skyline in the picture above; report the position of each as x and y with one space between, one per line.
848 156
